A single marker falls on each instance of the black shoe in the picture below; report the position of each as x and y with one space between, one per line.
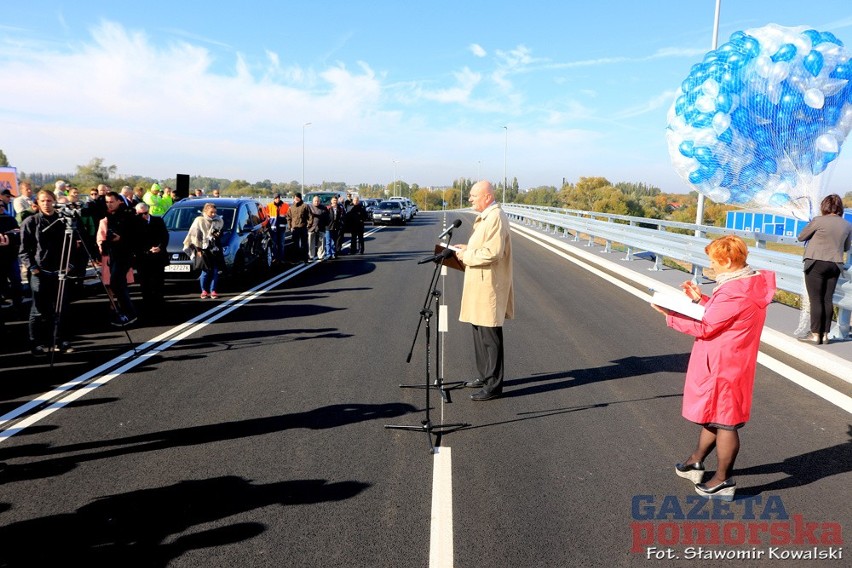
693 472
475 384
723 491
66 347
40 351
485 395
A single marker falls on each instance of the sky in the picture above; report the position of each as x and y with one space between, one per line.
425 92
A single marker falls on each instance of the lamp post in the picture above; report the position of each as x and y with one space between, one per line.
479 170
505 162
395 162
303 154
699 210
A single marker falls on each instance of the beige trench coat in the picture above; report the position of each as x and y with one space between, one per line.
488 297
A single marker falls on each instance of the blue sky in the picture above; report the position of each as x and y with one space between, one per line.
421 90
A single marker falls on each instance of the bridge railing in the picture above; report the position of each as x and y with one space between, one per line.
655 236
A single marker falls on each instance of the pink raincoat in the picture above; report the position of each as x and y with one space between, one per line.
720 376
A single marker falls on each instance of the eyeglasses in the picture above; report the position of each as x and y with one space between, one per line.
142 213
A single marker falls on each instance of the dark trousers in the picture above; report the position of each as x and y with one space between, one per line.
820 281
299 236
488 348
44 288
356 245
119 265
152 281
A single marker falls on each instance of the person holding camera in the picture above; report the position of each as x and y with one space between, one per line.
203 245
42 240
117 239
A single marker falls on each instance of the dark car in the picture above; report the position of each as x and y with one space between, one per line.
389 213
245 236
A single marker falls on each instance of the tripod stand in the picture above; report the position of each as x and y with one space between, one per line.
426 313
69 215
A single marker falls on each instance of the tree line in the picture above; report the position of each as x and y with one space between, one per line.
596 194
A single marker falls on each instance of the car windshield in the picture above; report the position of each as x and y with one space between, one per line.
389 205
181 218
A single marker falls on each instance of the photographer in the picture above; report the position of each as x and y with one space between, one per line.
42 239
203 246
117 239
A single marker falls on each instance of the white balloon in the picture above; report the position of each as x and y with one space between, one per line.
827 143
763 66
814 98
705 103
721 122
710 87
832 86
779 72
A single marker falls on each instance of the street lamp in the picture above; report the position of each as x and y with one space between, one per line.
505 161
699 210
395 162
479 170
303 154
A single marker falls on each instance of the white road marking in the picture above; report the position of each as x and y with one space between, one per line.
441 536
823 391
82 385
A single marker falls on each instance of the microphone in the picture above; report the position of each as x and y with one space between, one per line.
456 224
446 253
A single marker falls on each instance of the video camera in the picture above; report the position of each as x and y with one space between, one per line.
68 210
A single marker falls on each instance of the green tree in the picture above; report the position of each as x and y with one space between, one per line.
94 173
4 161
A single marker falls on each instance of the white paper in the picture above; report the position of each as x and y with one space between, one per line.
678 303
451 247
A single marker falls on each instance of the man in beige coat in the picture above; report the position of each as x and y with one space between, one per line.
487 298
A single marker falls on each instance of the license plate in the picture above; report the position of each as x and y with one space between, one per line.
178 268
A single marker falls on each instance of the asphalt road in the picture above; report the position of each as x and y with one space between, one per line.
258 439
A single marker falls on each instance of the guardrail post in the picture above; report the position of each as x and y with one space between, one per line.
658 263
760 243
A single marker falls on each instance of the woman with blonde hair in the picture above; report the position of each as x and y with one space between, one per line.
717 393
202 243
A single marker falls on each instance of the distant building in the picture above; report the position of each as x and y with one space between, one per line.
769 223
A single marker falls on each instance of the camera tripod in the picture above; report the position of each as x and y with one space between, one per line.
71 236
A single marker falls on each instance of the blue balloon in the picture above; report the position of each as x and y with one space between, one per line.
751 47
686 148
813 62
680 105
829 37
785 53
728 179
724 102
779 199
702 174
842 71
727 136
705 157
814 36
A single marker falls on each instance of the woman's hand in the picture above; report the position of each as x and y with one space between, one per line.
663 311
692 290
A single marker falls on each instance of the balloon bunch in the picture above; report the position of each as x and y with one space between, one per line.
757 122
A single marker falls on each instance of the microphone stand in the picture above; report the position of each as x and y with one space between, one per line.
426 315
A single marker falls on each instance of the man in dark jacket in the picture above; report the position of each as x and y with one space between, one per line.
297 217
119 243
151 259
356 215
317 223
42 239
334 230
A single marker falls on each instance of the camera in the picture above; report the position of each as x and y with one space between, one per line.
69 210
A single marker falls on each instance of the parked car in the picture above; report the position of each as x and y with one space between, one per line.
369 206
245 236
325 197
388 213
407 206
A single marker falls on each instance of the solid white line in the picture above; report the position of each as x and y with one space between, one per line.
183 331
827 393
441 536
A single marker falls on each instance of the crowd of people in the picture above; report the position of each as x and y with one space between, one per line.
50 239
121 234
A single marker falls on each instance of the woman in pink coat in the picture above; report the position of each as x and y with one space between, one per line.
720 377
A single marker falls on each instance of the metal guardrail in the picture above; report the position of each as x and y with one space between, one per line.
654 236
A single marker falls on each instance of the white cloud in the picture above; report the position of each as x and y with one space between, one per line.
477 50
663 99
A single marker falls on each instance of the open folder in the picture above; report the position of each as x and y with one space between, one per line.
679 303
450 261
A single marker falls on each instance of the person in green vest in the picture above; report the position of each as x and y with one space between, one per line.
156 203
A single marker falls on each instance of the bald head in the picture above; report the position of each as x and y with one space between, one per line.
481 195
